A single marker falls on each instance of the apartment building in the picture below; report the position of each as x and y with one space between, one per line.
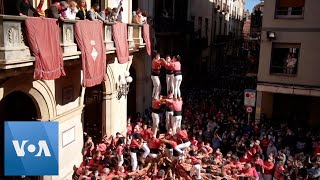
289 78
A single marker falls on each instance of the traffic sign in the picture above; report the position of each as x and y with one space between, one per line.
249 109
250 97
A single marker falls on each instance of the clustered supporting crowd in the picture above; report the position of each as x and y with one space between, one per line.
209 138
73 10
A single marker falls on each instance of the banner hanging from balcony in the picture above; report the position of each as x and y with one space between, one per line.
44 41
120 37
146 37
89 36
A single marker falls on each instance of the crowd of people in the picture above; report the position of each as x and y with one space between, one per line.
78 10
214 141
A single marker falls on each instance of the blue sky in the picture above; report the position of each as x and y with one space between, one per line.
251 3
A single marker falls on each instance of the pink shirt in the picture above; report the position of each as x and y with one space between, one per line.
156 104
175 104
156 64
176 66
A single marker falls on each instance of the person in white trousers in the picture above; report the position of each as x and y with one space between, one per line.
155 73
169 76
177 76
183 135
169 116
156 105
134 147
176 119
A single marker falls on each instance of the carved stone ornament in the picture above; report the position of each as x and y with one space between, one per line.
13 35
68 35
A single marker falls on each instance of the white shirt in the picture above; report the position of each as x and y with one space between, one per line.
71 15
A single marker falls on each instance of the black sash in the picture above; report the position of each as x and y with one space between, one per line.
157 111
177 113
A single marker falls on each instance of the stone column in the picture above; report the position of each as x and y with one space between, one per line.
12 45
110 47
69 47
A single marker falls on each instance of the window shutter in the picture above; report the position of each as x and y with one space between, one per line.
290 3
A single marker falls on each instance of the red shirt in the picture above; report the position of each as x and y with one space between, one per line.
176 66
248 172
156 104
146 134
259 161
278 173
154 143
156 64
244 159
194 142
183 134
134 144
175 104
169 66
268 167
129 130
173 143
120 150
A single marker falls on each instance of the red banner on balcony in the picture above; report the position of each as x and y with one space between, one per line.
44 41
89 36
120 38
146 37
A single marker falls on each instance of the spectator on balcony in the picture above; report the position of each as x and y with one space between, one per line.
57 10
119 12
93 15
137 19
290 63
39 9
72 11
106 14
82 13
23 7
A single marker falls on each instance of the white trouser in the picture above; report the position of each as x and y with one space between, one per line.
168 123
267 177
177 82
154 156
120 159
155 123
196 171
170 84
182 147
176 123
156 87
146 150
134 161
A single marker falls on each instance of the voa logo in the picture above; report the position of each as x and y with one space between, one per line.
41 147
31 148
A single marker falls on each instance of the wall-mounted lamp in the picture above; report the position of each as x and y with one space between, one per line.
271 35
124 84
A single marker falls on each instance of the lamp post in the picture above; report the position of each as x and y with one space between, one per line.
124 85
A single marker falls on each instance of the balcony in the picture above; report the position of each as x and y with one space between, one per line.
15 53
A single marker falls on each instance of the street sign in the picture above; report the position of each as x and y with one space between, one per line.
249 109
250 97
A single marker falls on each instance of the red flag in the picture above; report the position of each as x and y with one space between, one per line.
120 37
43 35
93 52
146 37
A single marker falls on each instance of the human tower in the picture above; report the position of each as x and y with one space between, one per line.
173 100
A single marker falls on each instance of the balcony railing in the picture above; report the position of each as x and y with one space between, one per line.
15 53
281 70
